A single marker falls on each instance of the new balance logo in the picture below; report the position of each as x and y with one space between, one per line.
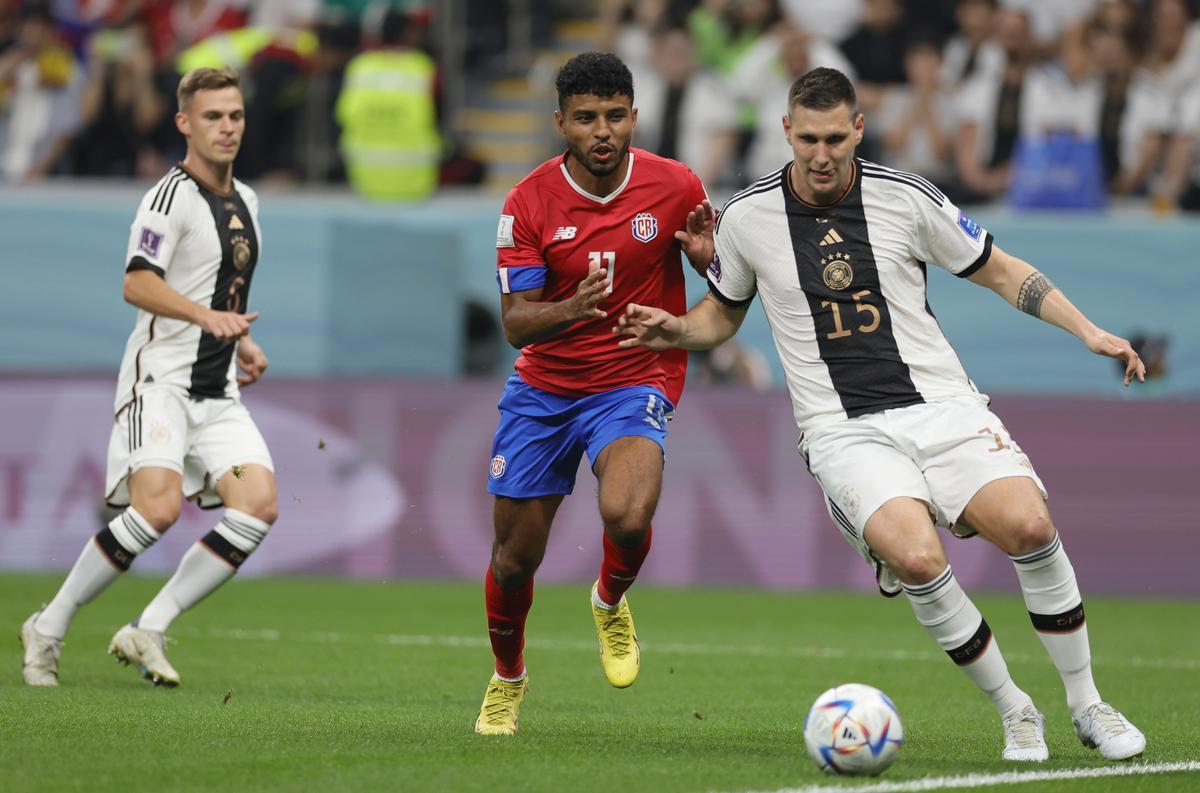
831 238
563 233
501 631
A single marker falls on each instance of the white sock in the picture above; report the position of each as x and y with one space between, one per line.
102 561
209 563
1056 609
957 626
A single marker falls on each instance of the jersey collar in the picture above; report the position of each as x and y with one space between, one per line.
590 196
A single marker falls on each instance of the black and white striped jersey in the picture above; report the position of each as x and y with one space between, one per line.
205 246
843 287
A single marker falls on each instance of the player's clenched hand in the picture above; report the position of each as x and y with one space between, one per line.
251 360
696 237
648 327
227 325
585 303
1105 343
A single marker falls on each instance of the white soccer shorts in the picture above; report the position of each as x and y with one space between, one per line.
201 439
940 453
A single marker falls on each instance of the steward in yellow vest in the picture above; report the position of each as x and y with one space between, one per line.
390 141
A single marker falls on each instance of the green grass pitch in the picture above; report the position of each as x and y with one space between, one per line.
315 684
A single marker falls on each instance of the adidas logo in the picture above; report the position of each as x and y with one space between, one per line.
831 238
563 233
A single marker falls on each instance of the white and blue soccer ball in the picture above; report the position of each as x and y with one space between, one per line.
853 729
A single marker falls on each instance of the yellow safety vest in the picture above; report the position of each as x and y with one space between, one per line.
389 138
237 48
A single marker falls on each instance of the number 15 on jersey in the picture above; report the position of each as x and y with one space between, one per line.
605 259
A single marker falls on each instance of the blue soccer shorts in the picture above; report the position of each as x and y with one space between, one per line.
542 436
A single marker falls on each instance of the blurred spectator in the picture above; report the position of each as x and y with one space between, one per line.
1174 52
989 109
387 112
876 49
723 30
1180 183
832 22
762 79
175 25
973 50
317 131
1063 95
916 121
684 113
121 105
1134 113
40 87
1049 20
628 26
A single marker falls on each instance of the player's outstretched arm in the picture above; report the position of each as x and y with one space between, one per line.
149 292
527 320
1022 285
708 324
696 237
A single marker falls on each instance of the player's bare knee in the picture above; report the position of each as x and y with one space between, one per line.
1029 532
626 523
919 565
265 508
160 511
512 571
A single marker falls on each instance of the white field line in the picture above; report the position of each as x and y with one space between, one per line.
666 648
968 781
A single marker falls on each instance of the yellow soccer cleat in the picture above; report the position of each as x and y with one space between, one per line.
501 707
619 652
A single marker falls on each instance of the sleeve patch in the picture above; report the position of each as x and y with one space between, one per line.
714 268
504 232
149 242
520 279
969 227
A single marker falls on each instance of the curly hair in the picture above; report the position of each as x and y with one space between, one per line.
593 73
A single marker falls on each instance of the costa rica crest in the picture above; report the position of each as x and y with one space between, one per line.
645 227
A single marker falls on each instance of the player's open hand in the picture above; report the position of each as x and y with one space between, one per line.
648 327
585 303
1104 343
696 237
251 360
227 325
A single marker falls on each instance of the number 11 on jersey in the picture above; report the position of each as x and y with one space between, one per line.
605 259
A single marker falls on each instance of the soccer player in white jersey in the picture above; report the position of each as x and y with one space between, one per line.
894 431
181 429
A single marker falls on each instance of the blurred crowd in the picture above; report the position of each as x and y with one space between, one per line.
961 91
87 88
977 95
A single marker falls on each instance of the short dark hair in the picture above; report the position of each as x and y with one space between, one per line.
205 79
822 89
593 73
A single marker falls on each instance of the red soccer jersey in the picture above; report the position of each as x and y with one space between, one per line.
551 232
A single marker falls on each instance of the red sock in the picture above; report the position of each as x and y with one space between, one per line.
506 612
620 567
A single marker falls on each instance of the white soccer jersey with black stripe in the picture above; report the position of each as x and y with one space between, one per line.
205 246
843 287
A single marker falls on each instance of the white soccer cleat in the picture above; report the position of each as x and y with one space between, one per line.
1025 736
147 651
1103 727
41 654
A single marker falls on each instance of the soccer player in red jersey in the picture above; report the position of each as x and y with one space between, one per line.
584 234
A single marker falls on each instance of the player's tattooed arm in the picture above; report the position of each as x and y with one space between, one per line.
1033 292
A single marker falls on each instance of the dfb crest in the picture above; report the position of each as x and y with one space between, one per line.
645 227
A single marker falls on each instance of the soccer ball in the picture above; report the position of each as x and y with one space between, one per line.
853 729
